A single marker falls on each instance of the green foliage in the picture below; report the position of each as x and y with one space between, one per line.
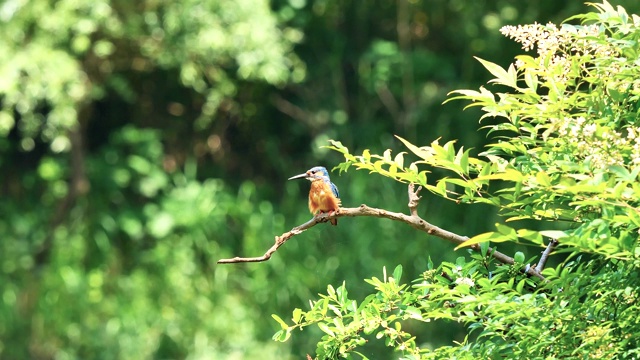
504 318
565 153
108 242
141 287
53 66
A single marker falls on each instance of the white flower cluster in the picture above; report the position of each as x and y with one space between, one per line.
555 46
566 55
601 147
465 281
551 40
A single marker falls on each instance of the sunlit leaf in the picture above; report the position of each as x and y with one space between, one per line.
503 77
553 234
326 329
297 315
397 273
277 318
488 236
420 152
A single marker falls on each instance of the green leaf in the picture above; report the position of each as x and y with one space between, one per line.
325 328
462 159
531 80
277 318
422 179
478 98
331 291
342 294
297 315
621 172
399 160
450 151
375 282
503 77
337 146
488 236
507 175
484 248
543 179
397 273
393 170
366 155
413 312
531 235
386 156
281 335
506 230
554 234
420 152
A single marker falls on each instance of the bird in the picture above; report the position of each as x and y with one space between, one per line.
323 195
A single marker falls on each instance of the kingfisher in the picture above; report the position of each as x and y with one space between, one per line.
323 196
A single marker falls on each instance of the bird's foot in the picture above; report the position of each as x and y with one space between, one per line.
334 221
319 216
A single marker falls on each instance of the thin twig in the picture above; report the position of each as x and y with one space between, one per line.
545 254
279 241
388 100
292 110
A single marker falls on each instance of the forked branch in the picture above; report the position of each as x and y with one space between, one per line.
412 220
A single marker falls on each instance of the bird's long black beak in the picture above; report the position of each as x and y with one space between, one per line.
301 176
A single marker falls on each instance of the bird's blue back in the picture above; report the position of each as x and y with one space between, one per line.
326 179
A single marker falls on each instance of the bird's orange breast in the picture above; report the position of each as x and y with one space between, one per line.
321 198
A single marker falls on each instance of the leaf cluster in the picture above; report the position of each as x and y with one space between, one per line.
505 318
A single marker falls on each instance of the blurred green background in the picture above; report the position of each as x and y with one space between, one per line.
140 142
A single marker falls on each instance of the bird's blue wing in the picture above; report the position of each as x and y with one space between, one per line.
334 188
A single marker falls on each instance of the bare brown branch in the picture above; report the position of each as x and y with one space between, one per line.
292 110
545 254
364 210
388 100
279 241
